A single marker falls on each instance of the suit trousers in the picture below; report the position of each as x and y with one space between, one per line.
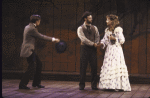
88 54
33 71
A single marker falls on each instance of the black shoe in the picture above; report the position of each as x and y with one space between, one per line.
23 87
95 88
39 86
81 88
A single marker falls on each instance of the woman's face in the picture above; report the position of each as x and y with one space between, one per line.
108 21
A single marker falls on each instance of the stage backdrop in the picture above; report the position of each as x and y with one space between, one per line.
60 18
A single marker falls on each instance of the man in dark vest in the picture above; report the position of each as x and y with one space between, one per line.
90 38
27 50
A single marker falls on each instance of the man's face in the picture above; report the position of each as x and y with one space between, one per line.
89 19
38 22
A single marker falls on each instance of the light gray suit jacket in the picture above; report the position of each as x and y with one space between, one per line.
29 35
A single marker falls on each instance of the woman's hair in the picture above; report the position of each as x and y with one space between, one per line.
115 22
35 18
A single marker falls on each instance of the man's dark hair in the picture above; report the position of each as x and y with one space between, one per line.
85 14
34 18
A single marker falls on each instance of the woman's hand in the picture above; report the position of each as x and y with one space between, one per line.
112 37
101 45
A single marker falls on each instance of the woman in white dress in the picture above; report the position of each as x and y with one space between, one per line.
114 74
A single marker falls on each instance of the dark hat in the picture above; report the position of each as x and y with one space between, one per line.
61 46
85 14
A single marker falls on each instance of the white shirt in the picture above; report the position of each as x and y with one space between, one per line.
84 39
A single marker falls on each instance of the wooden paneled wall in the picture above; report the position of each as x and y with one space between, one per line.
60 18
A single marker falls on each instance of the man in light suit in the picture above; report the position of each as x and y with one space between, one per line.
27 50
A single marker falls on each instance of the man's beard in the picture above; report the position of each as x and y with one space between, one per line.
89 22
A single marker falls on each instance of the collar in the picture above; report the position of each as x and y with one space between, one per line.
85 25
34 24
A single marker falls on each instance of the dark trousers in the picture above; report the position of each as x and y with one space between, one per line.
88 55
34 69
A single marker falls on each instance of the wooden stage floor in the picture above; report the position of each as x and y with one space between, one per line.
68 89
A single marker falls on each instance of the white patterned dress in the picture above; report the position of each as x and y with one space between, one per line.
114 74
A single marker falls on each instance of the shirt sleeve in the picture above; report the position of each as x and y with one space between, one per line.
105 39
97 36
119 35
53 39
83 38
36 34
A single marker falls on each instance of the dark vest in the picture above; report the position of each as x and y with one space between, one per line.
89 34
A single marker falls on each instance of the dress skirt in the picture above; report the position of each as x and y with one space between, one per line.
114 74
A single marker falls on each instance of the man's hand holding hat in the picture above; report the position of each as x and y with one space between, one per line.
55 40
